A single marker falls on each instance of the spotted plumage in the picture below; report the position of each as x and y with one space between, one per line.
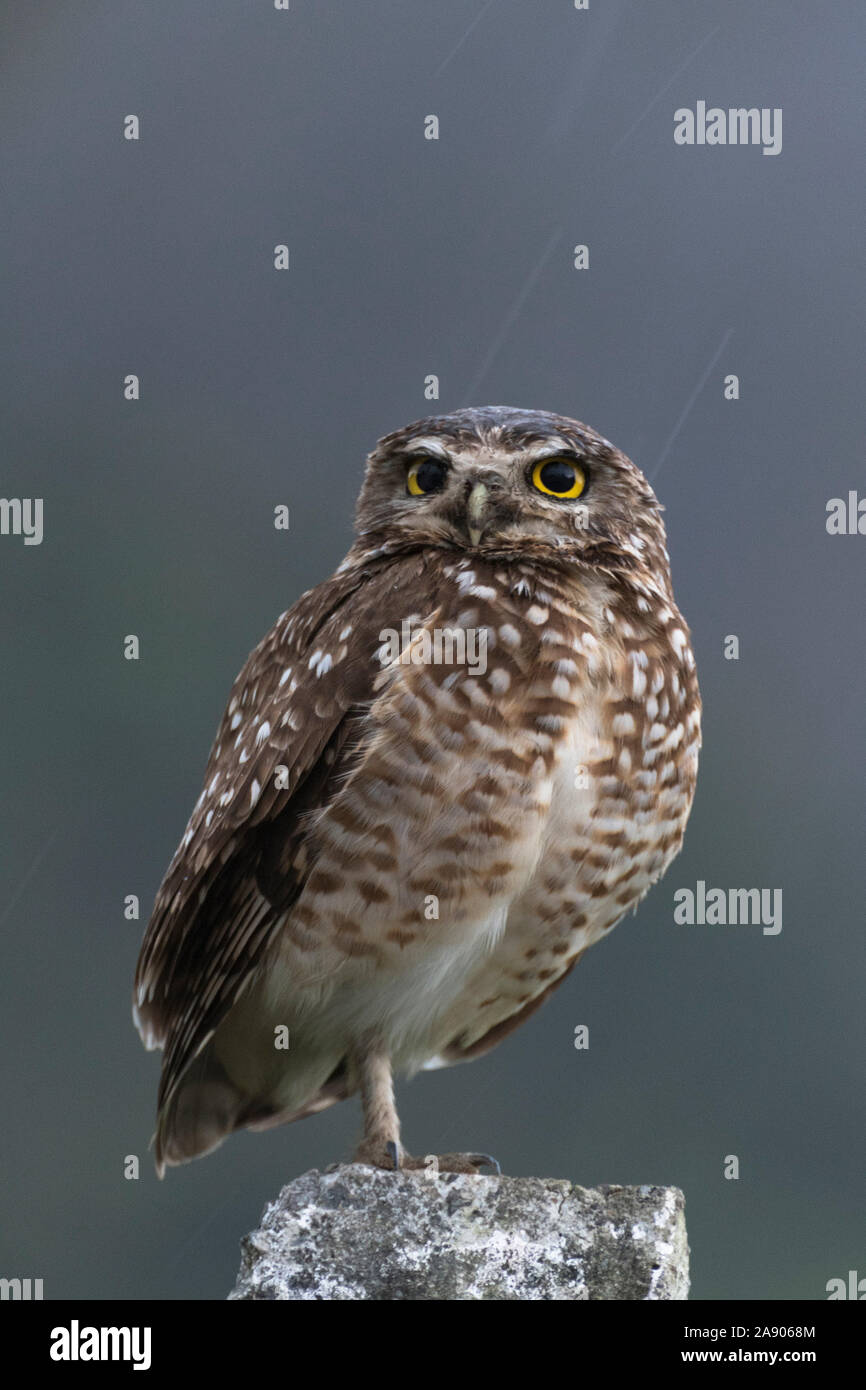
401 850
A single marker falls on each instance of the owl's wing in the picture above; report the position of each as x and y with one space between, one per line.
288 737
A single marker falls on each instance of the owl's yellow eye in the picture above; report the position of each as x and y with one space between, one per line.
561 478
426 475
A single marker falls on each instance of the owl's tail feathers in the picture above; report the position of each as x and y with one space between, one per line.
201 1112
208 1106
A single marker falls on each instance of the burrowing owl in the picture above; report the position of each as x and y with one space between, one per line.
441 776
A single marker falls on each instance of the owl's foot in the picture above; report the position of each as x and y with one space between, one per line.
451 1163
380 1153
391 1155
381 1147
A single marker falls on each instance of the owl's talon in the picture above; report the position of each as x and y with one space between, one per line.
480 1160
387 1154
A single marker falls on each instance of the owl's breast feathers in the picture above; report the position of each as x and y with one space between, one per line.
415 832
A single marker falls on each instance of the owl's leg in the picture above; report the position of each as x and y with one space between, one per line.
380 1145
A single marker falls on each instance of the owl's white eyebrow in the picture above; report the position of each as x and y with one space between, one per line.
425 446
550 450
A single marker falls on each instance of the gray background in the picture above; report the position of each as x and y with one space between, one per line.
411 257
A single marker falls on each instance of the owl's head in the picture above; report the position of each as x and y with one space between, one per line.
510 483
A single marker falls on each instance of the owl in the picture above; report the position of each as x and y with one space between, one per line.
442 775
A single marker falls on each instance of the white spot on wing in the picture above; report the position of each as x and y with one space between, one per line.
321 663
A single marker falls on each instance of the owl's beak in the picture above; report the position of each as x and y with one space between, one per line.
476 511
